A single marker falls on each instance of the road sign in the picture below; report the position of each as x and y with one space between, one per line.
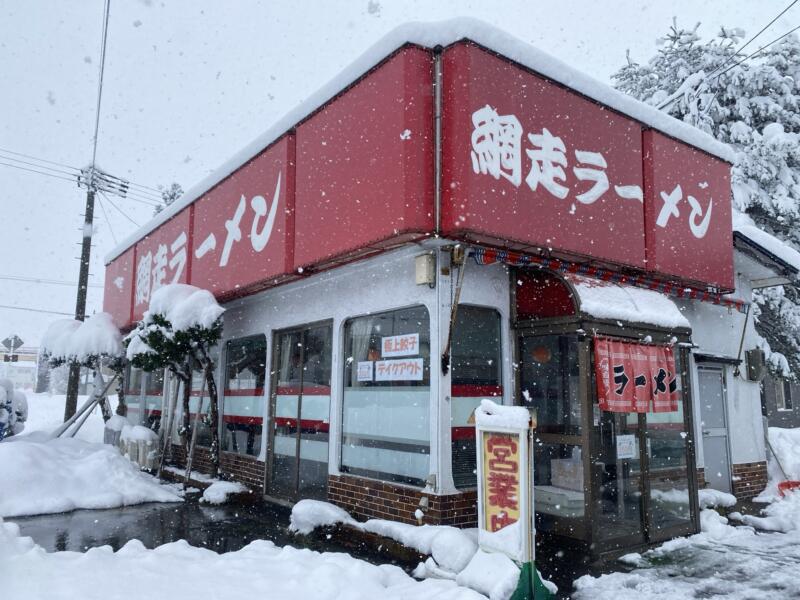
12 342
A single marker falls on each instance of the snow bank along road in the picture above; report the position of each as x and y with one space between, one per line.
179 571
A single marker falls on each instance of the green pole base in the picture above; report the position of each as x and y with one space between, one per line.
530 585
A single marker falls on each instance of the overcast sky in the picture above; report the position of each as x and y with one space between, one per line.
189 82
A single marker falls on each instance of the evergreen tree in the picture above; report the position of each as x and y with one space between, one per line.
157 343
753 105
168 195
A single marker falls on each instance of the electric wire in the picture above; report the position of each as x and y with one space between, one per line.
52 162
39 172
108 221
119 210
106 7
752 39
44 280
764 47
38 310
31 164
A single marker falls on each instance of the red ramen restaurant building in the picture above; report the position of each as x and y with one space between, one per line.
456 217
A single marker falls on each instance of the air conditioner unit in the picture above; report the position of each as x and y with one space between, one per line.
756 364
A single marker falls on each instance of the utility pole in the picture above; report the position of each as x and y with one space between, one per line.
73 383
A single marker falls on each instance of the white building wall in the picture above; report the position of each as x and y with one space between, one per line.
382 283
717 331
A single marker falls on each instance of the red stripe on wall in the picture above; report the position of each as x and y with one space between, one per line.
462 433
475 391
245 392
305 424
242 420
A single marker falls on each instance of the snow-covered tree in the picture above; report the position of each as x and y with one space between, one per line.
178 332
169 194
93 344
753 105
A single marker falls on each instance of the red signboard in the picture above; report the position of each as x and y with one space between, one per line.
162 257
118 289
243 226
365 162
529 162
635 377
687 212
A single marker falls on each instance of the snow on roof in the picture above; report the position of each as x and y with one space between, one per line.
430 35
747 227
606 300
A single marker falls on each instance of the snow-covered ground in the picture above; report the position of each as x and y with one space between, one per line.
40 475
179 571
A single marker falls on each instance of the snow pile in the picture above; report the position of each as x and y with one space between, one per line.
307 515
711 498
491 414
71 340
46 413
453 553
786 444
783 515
218 492
182 572
117 423
56 475
138 433
13 409
492 574
606 300
184 306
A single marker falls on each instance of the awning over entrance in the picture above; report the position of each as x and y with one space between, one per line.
632 284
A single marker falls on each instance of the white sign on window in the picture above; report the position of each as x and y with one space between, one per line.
400 345
408 369
626 446
365 370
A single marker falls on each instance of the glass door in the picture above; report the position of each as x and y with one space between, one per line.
300 413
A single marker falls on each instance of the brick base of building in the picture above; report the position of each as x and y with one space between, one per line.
701 478
372 499
749 479
241 467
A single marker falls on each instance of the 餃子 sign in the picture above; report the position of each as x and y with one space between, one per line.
635 377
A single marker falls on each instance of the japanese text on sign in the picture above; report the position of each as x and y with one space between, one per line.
400 345
635 377
501 480
497 144
409 369
151 270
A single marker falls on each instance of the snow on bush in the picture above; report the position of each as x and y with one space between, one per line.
492 574
179 571
710 498
218 492
117 423
184 306
41 476
76 341
307 515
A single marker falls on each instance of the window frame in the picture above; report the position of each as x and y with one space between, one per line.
783 395
342 348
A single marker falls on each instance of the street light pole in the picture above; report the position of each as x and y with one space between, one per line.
80 305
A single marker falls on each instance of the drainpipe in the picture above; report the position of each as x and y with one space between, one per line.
437 139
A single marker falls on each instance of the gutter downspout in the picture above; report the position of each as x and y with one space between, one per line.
437 140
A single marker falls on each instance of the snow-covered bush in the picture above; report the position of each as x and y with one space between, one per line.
13 409
754 106
93 343
177 332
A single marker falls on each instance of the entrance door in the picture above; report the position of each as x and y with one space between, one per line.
714 428
300 413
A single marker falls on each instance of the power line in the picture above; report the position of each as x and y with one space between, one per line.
23 162
108 221
38 310
35 171
100 82
124 214
752 39
765 46
44 280
52 162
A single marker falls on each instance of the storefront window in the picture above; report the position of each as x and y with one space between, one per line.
243 396
476 374
144 395
387 396
550 382
559 488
